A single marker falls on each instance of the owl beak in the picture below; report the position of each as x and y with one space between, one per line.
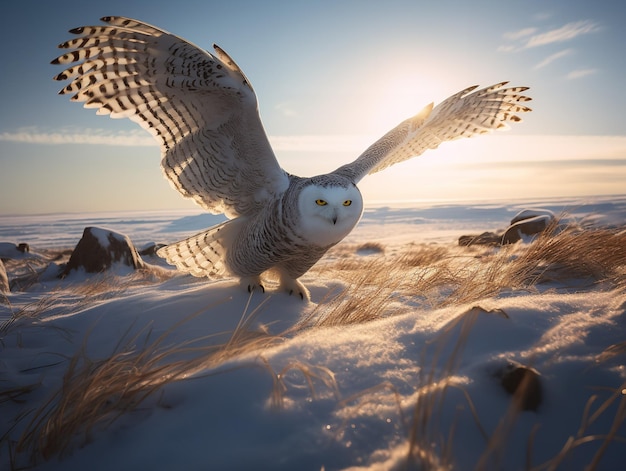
334 218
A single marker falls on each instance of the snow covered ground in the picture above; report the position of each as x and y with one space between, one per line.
386 368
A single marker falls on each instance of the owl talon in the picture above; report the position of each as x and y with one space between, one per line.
252 284
300 293
292 286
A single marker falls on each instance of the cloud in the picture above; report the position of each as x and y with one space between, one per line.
520 147
522 33
139 138
532 148
527 39
507 48
548 60
576 74
564 33
84 136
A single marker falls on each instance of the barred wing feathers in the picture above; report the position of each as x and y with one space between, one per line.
203 254
199 106
464 114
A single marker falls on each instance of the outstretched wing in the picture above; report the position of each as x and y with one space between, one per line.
199 106
464 114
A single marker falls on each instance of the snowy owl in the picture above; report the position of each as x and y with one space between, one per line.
202 110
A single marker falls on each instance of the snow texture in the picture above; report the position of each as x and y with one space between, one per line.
323 398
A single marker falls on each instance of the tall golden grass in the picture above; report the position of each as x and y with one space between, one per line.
441 276
94 393
97 392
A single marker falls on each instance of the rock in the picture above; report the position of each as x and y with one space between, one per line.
526 227
150 248
11 251
486 238
4 280
531 213
99 249
523 383
525 223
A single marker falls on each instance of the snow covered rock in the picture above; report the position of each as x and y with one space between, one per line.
531 213
526 227
99 249
523 383
151 248
4 279
528 222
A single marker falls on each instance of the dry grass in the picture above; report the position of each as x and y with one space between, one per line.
449 276
27 272
446 276
312 374
582 437
429 447
593 254
30 315
94 393
75 297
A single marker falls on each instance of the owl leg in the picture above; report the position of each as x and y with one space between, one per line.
295 287
252 283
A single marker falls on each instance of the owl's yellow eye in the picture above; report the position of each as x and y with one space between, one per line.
347 202
321 202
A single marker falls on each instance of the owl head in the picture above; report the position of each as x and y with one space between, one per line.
328 211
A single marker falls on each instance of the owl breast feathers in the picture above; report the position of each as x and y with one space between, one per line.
202 110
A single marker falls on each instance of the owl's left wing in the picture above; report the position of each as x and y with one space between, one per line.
199 106
464 114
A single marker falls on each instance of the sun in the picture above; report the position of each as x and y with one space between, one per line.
403 94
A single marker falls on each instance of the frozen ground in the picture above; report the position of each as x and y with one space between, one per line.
413 386
424 221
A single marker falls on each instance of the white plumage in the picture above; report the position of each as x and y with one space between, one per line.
203 111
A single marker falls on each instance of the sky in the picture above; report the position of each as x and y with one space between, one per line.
332 77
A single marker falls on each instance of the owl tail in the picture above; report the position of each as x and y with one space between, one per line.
203 254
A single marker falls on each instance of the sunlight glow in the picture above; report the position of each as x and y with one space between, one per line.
403 95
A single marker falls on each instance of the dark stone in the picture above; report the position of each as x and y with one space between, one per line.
24 248
530 226
150 249
523 383
531 213
486 238
4 279
99 249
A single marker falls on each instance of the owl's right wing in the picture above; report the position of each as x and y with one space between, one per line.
464 114
199 106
